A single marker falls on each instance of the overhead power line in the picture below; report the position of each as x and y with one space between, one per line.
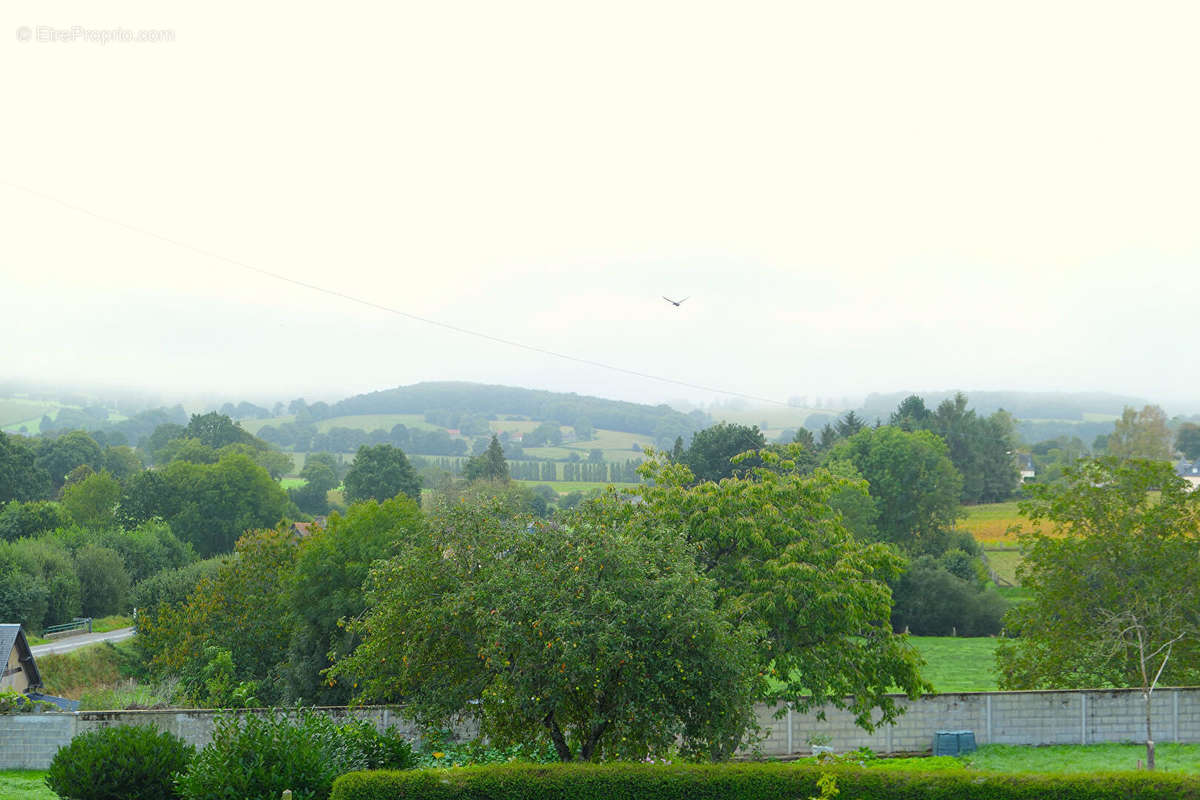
381 307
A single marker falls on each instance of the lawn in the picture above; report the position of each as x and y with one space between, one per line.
25 785
1169 757
958 664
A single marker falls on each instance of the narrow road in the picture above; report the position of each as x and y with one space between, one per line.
75 642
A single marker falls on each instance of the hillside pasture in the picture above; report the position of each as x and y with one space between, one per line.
566 487
373 422
15 413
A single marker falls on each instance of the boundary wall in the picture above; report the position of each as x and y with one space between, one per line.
29 741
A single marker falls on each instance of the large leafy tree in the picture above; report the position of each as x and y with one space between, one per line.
20 477
326 587
1140 434
1114 570
242 610
914 484
597 634
61 455
1188 440
207 505
488 465
710 455
380 473
785 563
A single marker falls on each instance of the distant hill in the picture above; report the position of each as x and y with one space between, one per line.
661 422
1074 406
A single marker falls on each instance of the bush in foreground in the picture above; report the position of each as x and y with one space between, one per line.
257 757
126 762
747 782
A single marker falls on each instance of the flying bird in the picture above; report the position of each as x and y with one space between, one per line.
676 303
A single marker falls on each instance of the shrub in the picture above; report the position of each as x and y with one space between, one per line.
126 762
257 757
748 782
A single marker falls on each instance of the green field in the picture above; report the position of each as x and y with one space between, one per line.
292 483
958 664
1005 562
15 413
25 785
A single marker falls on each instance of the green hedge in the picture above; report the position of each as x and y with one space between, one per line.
748 782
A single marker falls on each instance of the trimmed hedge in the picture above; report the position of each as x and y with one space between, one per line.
772 781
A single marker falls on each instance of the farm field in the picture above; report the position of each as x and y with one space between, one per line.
989 523
25 785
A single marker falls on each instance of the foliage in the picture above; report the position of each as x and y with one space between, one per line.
103 664
24 596
258 756
750 782
207 505
914 484
172 585
934 598
103 580
147 549
784 562
710 455
380 473
489 465
1126 547
50 563
19 519
319 475
595 634
14 702
124 762
1140 434
21 478
58 456
92 501
326 587
242 609
440 750
1187 439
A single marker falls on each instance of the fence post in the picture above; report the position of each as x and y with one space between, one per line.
1083 718
789 729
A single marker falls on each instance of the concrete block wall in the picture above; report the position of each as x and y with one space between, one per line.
29 741
1024 718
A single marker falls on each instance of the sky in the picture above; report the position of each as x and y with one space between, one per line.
853 197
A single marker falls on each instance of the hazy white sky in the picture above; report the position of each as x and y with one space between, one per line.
856 196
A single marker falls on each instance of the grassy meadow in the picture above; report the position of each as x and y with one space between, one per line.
958 664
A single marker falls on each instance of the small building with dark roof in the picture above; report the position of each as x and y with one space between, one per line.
20 670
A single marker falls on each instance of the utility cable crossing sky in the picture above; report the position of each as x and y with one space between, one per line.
380 307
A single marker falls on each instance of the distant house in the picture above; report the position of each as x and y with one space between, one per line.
1189 471
1025 466
303 529
20 672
